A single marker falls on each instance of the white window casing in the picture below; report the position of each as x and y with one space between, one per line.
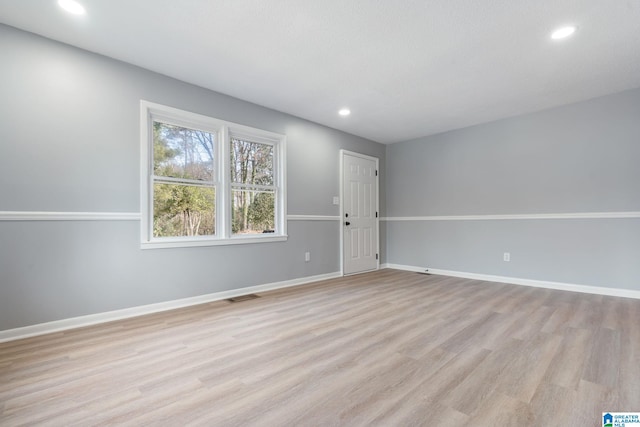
223 132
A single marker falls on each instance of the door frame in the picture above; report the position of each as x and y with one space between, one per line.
341 161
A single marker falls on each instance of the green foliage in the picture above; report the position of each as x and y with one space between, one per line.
252 165
185 209
261 212
253 212
181 209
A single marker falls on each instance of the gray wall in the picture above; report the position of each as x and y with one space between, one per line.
578 158
69 141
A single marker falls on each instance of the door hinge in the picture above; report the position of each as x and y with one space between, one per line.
376 214
376 172
376 256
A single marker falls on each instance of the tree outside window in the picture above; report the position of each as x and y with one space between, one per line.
253 189
209 182
184 189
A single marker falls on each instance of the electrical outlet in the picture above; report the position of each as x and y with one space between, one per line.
307 256
336 200
506 257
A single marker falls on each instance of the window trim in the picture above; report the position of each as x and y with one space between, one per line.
223 130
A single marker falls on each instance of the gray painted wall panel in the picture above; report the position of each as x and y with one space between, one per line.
69 115
577 158
69 141
61 269
600 252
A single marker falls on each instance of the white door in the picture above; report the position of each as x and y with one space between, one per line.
359 213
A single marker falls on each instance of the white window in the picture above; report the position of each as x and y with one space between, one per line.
209 182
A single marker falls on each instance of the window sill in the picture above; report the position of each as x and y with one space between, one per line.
165 244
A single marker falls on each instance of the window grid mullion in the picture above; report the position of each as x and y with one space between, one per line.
253 187
225 172
184 181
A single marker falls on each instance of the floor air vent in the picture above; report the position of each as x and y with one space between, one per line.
243 298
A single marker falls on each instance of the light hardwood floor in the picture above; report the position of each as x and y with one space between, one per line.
388 348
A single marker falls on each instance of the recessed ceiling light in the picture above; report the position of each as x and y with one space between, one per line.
563 32
344 112
72 6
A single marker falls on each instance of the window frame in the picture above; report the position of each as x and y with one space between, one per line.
222 131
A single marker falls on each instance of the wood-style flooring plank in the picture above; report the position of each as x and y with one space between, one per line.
386 348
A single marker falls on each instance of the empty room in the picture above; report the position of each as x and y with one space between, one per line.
319 213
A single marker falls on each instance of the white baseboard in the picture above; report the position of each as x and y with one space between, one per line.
109 316
93 319
598 290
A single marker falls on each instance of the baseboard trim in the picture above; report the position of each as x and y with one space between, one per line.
110 316
598 290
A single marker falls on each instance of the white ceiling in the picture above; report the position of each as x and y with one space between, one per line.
405 68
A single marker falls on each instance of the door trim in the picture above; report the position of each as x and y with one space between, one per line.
341 193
